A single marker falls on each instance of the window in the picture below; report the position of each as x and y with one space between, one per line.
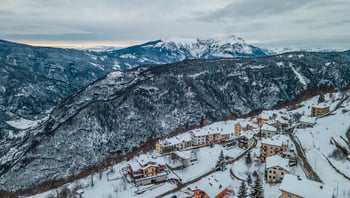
282 173
270 171
274 172
289 195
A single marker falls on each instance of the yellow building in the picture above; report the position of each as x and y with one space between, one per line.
319 110
238 127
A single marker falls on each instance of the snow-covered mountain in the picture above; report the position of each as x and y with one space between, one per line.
177 49
121 111
34 79
101 48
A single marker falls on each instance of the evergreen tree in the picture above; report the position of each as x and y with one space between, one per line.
221 157
257 191
249 180
202 122
220 164
242 192
248 159
255 174
321 99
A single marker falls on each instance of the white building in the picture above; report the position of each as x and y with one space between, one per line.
276 168
295 186
306 122
175 143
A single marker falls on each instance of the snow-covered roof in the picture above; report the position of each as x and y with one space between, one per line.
134 165
304 187
267 127
224 127
276 160
266 114
143 159
277 140
283 119
211 186
176 139
201 132
247 134
321 106
183 154
244 123
308 119
80 191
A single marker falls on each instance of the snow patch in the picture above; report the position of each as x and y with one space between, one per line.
128 56
23 123
97 65
300 77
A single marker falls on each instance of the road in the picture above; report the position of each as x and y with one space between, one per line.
183 185
310 173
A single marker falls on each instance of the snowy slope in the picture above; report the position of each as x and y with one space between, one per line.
315 142
158 100
34 79
170 50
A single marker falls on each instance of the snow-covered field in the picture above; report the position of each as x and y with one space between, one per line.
315 141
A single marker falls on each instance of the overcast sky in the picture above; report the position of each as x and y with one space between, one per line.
128 22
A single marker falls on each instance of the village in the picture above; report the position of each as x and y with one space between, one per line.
266 155
268 136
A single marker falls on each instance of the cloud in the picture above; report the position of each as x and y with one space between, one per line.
120 20
254 8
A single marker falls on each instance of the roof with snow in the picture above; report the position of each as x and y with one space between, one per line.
134 165
183 154
277 140
211 186
244 123
275 161
140 162
215 128
144 159
321 106
266 127
266 114
308 119
304 187
176 139
247 134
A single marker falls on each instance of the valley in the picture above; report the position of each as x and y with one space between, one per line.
314 142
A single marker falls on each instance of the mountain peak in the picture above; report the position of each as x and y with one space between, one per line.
232 39
215 47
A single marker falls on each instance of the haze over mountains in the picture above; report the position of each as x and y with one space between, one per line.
123 109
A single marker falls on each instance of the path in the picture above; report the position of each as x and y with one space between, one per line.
183 185
310 173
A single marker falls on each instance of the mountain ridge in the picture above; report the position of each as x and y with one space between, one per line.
42 76
157 100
